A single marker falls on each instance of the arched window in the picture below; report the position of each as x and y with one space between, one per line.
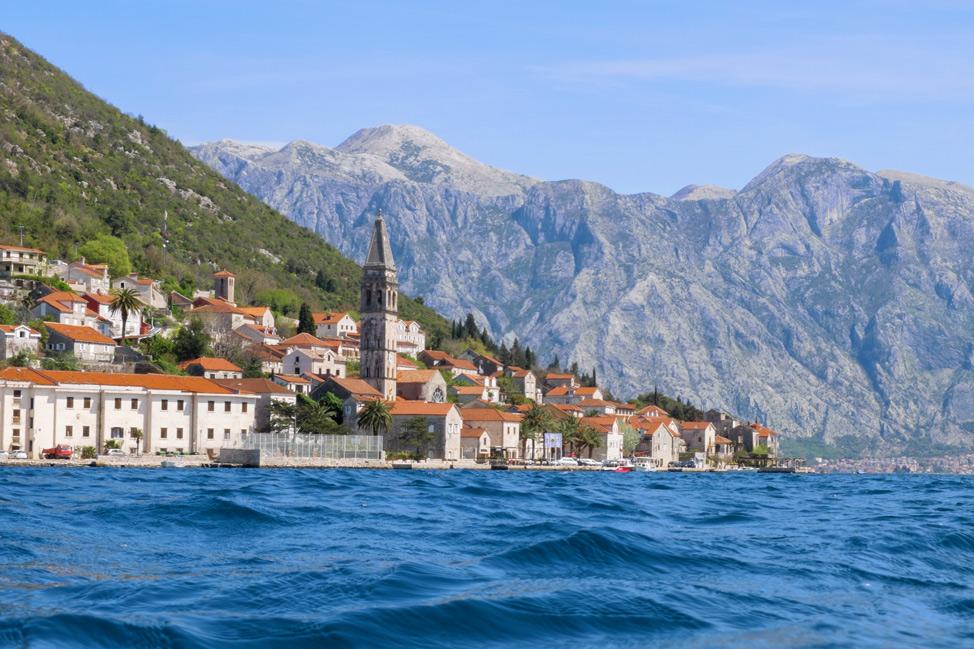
368 297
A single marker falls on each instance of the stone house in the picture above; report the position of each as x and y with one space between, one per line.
148 289
723 448
723 423
353 392
658 442
93 278
85 343
600 406
421 385
466 393
488 382
699 436
66 308
17 338
504 429
442 419
260 317
259 335
554 380
526 383
474 443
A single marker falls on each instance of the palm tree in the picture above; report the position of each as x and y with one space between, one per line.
126 301
534 425
137 435
375 416
571 433
591 439
317 417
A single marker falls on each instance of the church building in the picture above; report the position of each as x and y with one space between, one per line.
379 308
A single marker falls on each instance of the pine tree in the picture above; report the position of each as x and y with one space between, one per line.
528 358
555 364
504 355
595 381
517 354
574 370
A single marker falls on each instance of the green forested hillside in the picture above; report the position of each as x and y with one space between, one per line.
73 167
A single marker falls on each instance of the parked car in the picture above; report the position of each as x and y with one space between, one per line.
19 455
4 456
115 451
565 461
584 461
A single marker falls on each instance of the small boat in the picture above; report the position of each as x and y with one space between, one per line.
645 464
618 466
170 464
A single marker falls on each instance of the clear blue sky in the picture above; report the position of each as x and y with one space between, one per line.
641 96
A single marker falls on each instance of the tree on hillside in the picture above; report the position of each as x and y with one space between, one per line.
106 249
126 302
191 341
306 321
375 416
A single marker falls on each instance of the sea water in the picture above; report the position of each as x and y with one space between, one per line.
341 558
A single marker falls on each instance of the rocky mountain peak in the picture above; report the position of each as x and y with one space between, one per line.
703 192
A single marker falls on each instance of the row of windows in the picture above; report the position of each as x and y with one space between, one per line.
118 432
163 404
226 433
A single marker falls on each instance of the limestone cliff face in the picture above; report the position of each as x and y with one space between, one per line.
821 298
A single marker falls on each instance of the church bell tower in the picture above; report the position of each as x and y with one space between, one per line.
379 308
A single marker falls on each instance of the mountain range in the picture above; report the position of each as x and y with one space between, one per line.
827 301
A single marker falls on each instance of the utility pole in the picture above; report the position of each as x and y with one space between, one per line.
165 237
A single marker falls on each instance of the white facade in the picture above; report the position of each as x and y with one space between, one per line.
36 414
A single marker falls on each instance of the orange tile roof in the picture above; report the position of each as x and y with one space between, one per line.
224 273
468 432
253 386
148 381
212 364
560 391
10 329
567 407
304 340
24 374
328 318
558 377
216 307
415 376
722 440
460 364
357 387
22 249
417 408
594 403
653 411
468 389
763 431
402 361
291 379
99 297
488 414
79 334
438 356
254 311
695 425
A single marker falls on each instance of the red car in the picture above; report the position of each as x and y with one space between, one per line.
59 452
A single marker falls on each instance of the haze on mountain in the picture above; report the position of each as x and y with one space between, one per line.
829 302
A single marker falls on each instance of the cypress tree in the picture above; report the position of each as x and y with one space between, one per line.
470 328
306 321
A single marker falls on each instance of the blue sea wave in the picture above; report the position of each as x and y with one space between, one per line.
306 558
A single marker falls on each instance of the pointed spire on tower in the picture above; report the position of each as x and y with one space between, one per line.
380 254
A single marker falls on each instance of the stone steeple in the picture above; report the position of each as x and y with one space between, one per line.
379 308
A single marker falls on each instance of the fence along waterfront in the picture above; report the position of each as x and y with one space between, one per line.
365 447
